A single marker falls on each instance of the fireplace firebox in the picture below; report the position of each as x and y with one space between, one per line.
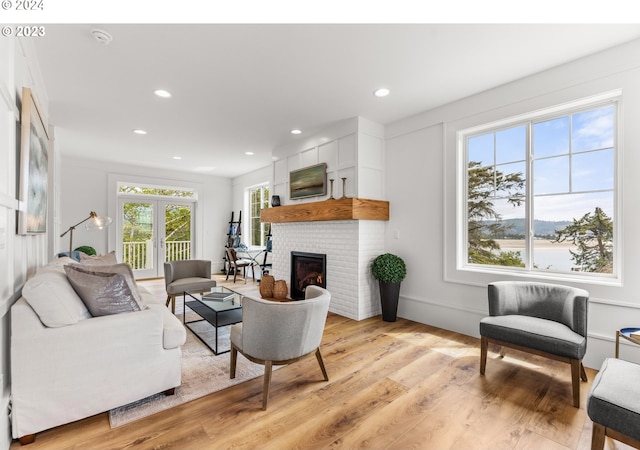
306 269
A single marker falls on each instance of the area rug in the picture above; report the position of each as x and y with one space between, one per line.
202 373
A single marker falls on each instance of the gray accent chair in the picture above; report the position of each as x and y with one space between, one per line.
614 404
544 319
193 275
277 333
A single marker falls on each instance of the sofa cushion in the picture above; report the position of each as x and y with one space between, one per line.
102 260
147 298
56 265
103 293
533 332
54 300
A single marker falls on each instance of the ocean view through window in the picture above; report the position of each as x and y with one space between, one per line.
540 191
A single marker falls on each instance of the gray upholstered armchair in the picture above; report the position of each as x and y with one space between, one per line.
278 333
545 319
193 275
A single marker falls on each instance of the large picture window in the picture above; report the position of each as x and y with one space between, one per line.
541 192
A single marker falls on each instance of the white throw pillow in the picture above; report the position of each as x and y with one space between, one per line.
57 265
102 260
54 300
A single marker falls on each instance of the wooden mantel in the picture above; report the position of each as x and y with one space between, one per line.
338 209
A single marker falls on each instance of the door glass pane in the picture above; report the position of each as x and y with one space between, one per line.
137 235
177 239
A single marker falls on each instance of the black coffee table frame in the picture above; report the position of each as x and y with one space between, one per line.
217 313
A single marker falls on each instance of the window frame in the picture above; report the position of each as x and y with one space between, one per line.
462 266
249 223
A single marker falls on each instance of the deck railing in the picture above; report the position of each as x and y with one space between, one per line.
139 255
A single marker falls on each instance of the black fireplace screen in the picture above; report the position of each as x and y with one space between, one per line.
306 269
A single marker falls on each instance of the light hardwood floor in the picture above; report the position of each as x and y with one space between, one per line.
397 385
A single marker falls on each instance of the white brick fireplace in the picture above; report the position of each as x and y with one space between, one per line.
350 246
349 229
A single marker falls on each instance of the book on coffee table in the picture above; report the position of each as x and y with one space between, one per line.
218 296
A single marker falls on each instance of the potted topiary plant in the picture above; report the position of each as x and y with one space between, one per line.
389 270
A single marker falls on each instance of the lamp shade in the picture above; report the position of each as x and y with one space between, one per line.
97 223
91 223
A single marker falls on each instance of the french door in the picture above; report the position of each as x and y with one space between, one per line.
151 232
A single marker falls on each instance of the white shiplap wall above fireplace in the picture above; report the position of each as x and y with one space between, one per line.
354 149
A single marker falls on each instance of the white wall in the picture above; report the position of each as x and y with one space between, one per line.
19 255
239 196
420 186
85 187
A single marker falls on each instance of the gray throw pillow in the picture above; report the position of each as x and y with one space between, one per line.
103 293
123 269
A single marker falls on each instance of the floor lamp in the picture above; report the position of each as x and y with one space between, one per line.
94 222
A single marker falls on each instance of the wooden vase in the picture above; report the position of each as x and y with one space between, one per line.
266 286
280 289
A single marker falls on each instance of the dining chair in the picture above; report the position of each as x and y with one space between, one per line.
236 263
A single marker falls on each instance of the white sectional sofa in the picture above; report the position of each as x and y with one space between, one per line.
67 364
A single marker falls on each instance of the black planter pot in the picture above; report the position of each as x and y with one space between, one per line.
389 295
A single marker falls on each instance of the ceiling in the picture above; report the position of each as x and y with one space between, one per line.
242 88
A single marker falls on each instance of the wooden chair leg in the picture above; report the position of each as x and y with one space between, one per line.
171 299
267 382
575 381
597 436
27 439
321 362
484 344
234 359
583 374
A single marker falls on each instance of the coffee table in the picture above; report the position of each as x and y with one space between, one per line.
224 310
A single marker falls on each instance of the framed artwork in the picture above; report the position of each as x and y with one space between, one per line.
308 182
34 163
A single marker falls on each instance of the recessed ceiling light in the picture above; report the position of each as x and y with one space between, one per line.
177 157
248 153
162 93
296 131
101 36
139 131
382 92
